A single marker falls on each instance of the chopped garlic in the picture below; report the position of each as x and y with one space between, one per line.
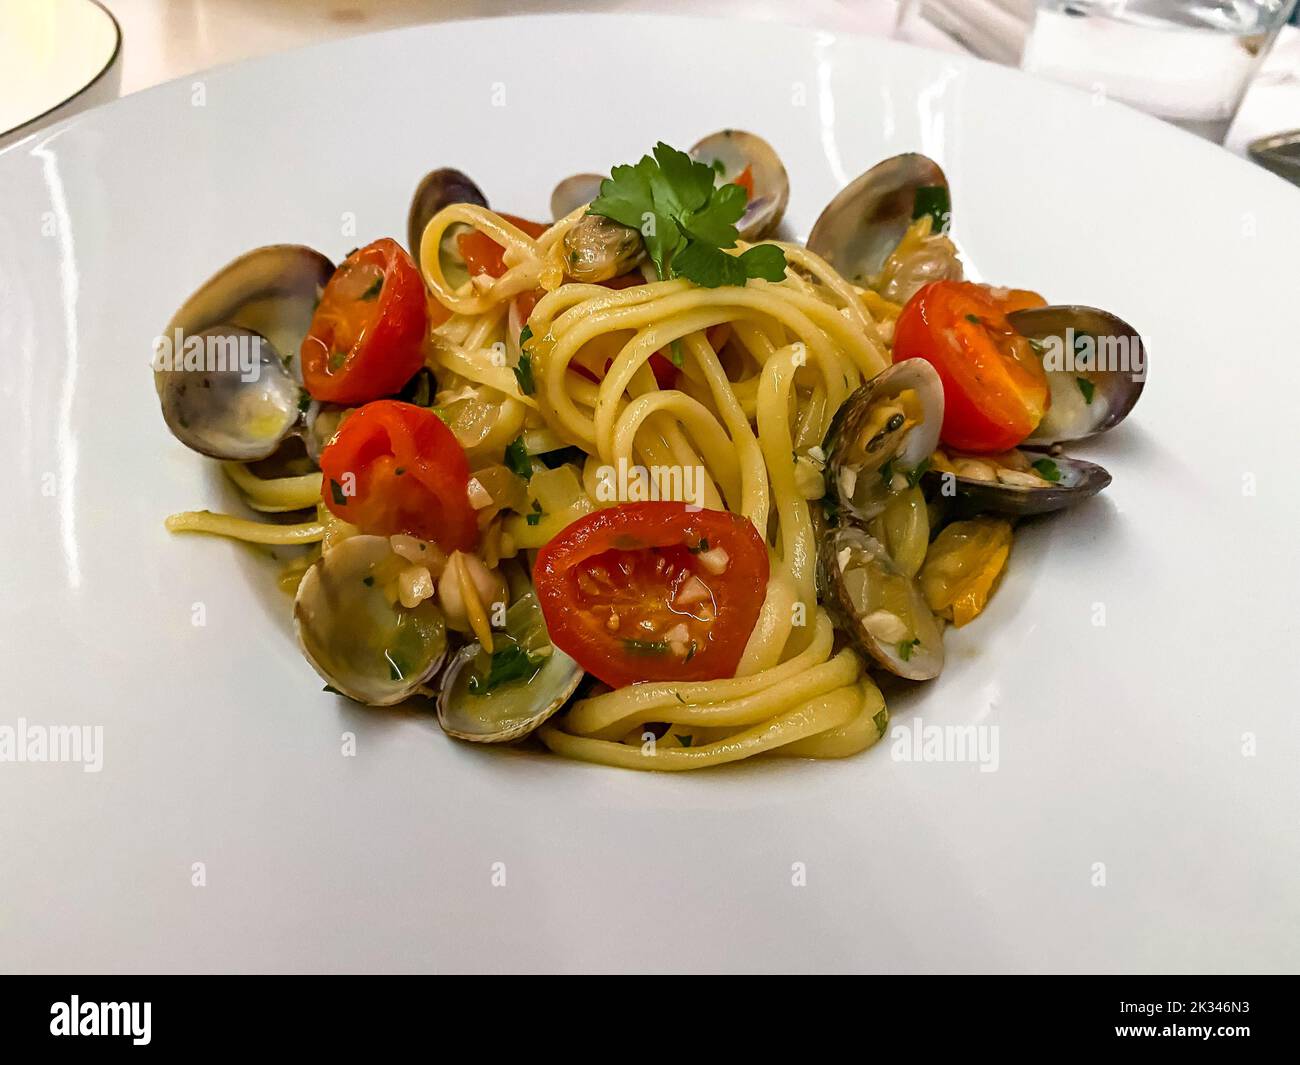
479 497
885 627
692 591
414 586
715 560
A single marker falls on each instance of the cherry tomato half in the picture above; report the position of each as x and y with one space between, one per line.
366 337
994 386
396 468
483 255
653 591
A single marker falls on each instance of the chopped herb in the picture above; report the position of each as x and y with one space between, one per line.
337 359
533 519
1048 470
369 582
690 652
304 400
1087 388
509 664
701 547
351 253
336 492
331 689
646 647
399 471
685 741
974 319
719 167
678 697
675 355
880 720
517 458
524 375
373 291
905 648
525 335
918 471
933 200
694 219
396 669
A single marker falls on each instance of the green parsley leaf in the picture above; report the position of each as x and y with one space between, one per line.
525 335
304 400
974 319
1087 388
331 689
518 459
690 652
880 720
685 219
905 648
509 664
685 741
373 291
524 375
1048 470
336 493
933 200
701 547
369 582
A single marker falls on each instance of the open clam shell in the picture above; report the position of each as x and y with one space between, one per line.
503 696
436 190
863 224
222 368
877 606
733 151
1096 368
882 434
574 192
355 632
1036 484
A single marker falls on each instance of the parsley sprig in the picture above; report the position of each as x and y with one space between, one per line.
685 220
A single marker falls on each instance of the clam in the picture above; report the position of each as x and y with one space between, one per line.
223 369
436 190
1016 483
502 696
354 630
1096 369
574 192
882 436
861 227
597 249
877 606
733 151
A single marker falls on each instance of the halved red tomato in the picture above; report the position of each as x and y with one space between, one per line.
483 255
396 468
994 387
653 591
366 337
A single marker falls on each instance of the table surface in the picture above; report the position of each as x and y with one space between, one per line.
166 39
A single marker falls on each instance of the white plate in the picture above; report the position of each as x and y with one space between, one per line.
1124 745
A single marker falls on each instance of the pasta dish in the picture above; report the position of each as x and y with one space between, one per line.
652 484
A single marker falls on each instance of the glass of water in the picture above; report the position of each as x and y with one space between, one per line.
1187 61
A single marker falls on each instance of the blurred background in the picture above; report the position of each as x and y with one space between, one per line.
1227 70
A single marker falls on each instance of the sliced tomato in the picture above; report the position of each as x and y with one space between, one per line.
396 468
653 591
366 337
483 255
746 181
994 387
